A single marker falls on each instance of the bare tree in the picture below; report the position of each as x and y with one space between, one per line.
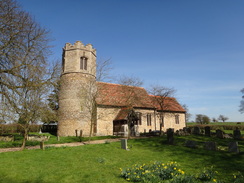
223 118
24 73
188 115
103 70
162 98
130 80
242 102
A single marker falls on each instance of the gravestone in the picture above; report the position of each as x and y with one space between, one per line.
207 131
170 136
42 145
188 130
219 134
237 134
233 147
196 130
124 144
191 144
185 129
212 146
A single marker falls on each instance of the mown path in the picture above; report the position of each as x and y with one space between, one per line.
73 144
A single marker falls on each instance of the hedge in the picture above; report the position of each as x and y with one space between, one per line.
16 128
221 127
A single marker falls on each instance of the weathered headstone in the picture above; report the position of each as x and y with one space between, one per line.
170 136
42 145
124 144
233 147
196 130
212 146
191 144
219 134
237 134
207 131
188 130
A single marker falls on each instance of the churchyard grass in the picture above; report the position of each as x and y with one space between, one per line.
102 162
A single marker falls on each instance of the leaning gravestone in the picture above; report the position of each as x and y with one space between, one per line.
196 130
237 134
191 144
219 134
233 147
207 131
212 146
170 136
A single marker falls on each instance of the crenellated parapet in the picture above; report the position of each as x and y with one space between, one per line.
79 45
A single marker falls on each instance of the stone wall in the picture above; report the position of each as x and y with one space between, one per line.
105 117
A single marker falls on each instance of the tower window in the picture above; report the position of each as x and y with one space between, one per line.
83 63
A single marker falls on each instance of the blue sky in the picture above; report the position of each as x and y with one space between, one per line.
194 46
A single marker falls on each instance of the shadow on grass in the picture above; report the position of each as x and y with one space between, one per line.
223 161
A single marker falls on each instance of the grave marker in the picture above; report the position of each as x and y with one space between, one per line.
233 147
170 136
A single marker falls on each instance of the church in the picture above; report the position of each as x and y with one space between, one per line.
90 107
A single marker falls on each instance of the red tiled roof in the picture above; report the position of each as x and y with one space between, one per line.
123 96
167 104
130 96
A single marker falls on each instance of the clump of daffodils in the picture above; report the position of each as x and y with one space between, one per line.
152 172
170 173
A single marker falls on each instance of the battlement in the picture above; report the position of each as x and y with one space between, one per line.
79 45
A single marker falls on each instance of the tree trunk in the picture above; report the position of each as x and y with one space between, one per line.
24 139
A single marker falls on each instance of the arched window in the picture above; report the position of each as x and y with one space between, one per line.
83 63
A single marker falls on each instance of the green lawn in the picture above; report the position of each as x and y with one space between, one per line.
101 162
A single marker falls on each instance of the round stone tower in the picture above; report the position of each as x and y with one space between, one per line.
77 80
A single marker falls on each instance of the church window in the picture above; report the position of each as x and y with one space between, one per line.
83 63
177 120
138 115
149 120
